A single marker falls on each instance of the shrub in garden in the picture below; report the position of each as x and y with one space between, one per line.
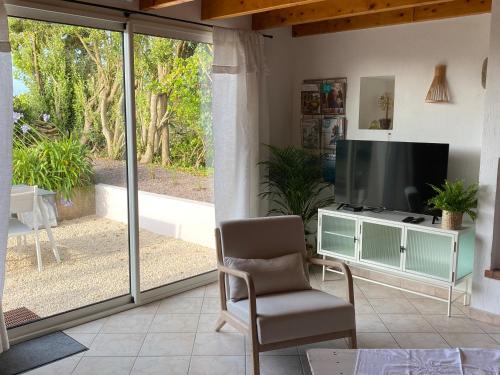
57 165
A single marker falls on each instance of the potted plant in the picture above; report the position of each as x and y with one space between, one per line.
455 199
294 185
385 103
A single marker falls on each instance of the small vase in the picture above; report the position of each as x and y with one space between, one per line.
385 123
452 220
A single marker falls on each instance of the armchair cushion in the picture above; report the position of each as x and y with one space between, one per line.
282 274
294 315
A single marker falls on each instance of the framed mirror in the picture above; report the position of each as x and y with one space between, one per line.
376 103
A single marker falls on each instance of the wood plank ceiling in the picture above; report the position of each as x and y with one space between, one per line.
310 17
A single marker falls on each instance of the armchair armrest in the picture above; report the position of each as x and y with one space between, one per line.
223 270
342 267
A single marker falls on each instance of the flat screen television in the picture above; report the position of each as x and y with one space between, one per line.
390 175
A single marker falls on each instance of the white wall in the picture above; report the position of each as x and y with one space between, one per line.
183 219
410 53
486 292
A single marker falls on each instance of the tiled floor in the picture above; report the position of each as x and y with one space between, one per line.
175 336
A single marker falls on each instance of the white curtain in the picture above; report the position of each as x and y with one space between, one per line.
240 121
6 121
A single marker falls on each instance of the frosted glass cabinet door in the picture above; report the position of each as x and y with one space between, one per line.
381 244
338 235
429 254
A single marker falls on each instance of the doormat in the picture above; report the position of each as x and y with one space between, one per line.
38 352
19 316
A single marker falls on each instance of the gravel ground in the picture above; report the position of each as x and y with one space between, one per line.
155 179
94 265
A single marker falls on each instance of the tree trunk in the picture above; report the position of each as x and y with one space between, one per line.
147 157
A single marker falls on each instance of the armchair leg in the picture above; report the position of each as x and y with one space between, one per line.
220 323
255 359
353 341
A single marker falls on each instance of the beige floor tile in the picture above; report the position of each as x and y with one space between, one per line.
420 340
175 323
496 337
470 340
207 324
379 291
376 341
211 305
428 306
332 344
362 306
90 327
63 367
161 366
212 290
213 365
277 365
488 328
221 343
443 323
171 344
406 323
104 366
392 306
180 305
116 344
128 323
369 323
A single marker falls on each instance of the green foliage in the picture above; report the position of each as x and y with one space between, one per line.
293 183
455 197
75 75
59 165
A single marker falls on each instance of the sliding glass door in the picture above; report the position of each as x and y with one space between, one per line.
79 248
69 141
174 152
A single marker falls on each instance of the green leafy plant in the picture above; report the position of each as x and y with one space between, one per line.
455 197
57 165
293 183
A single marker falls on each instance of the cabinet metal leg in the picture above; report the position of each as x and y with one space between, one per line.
324 270
450 295
468 285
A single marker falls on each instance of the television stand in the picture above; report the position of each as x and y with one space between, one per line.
421 253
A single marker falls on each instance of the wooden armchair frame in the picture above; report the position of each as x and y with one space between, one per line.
250 328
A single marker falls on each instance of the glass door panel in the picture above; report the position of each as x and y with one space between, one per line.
174 150
381 244
429 254
69 141
338 235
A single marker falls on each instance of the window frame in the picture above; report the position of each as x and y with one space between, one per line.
84 16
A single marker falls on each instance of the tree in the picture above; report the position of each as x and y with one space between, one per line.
74 76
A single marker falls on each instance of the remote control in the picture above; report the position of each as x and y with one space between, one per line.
408 219
418 220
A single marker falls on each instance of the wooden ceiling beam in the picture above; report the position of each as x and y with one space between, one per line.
159 4
331 9
456 8
217 9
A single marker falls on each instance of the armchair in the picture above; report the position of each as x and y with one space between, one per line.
279 320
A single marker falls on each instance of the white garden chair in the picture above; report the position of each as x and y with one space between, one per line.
24 201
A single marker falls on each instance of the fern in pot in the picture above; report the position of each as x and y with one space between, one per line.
455 199
293 184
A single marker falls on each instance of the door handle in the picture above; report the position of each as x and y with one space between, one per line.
402 249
